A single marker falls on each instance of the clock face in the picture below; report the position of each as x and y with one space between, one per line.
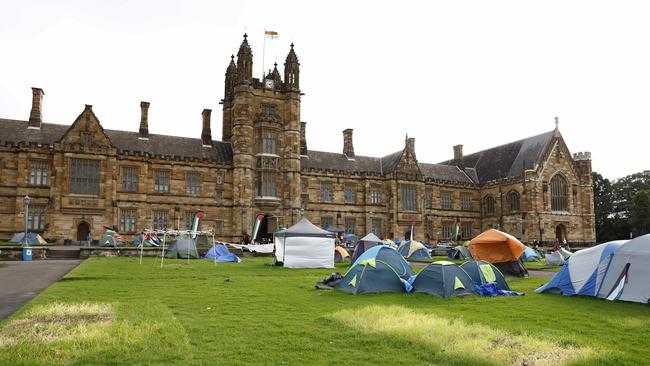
268 83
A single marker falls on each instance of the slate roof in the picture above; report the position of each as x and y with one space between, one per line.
449 173
507 160
321 160
49 133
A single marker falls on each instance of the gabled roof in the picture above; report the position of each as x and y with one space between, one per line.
508 160
449 173
332 161
182 147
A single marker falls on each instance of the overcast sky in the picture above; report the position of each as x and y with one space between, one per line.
477 73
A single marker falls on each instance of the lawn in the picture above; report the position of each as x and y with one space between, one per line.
115 311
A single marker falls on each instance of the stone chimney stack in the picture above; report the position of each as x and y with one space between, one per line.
303 139
206 134
458 156
348 146
35 116
144 121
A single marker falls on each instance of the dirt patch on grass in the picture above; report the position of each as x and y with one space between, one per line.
54 322
455 337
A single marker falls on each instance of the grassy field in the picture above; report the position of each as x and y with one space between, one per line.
115 311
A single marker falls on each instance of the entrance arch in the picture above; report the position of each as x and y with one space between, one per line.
560 233
82 231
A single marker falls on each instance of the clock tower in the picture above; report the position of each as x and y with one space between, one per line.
261 119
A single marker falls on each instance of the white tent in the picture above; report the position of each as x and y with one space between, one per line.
305 246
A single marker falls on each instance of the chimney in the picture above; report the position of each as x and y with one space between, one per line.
458 156
410 144
144 121
206 134
35 116
303 139
348 147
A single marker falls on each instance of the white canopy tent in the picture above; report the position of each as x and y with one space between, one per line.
304 245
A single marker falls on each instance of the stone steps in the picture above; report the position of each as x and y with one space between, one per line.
63 254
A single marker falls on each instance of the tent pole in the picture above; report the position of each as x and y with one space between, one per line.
214 245
141 247
162 256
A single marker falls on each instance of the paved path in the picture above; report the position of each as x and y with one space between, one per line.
21 281
543 274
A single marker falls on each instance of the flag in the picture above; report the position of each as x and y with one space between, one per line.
195 223
412 227
458 228
256 226
271 34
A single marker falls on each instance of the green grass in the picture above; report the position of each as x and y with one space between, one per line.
540 266
113 310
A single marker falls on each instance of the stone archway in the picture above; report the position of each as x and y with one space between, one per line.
560 233
83 229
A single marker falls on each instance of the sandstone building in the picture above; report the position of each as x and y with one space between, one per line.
82 177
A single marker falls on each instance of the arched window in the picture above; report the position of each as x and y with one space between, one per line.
513 201
489 206
559 193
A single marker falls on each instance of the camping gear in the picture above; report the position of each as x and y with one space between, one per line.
305 246
492 290
378 269
482 272
108 241
390 243
32 239
628 272
554 259
365 243
340 254
183 247
413 250
350 239
501 249
530 255
220 253
444 279
148 240
583 272
459 252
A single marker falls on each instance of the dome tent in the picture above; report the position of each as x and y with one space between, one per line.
221 254
304 245
583 272
365 243
628 272
444 279
183 247
340 254
459 252
501 249
32 239
530 255
482 272
554 259
379 269
413 250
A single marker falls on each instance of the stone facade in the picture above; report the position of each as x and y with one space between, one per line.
96 178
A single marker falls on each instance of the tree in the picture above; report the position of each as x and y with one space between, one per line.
640 212
603 207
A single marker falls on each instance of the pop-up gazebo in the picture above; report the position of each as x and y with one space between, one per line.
304 245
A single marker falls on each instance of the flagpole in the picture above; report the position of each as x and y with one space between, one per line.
263 54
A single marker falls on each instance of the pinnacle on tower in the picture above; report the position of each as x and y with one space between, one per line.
292 71
244 61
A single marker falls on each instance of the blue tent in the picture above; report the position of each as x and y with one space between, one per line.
482 273
459 252
221 253
350 238
583 272
444 279
379 269
369 241
530 255
413 250
32 239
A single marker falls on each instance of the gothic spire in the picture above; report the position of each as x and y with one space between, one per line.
231 78
245 60
292 71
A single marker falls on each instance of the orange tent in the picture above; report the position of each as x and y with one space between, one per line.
495 246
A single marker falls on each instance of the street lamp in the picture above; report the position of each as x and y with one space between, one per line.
26 201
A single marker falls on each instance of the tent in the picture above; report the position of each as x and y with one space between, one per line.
459 252
350 238
413 250
554 259
220 253
305 246
182 247
530 255
482 272
32 239
390 243
565 253
501 249
108 241
583 272
444 279
333 229
151 241
340 254
628 272
379 269
364 244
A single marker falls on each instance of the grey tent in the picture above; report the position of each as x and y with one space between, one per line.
554 259
304 245
444 279
459 252
365 243
183 247
628 272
